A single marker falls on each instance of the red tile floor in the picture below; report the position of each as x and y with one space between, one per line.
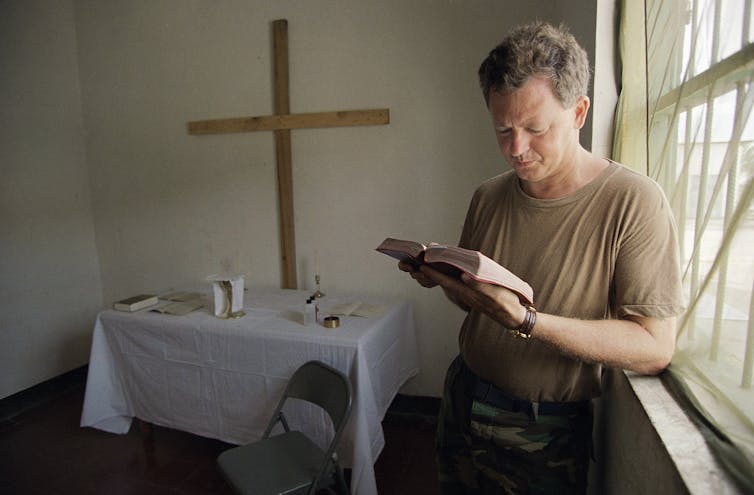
44 451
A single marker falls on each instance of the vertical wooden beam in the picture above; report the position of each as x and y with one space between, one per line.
281 122
283 154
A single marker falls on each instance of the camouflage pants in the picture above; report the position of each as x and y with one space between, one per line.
482 449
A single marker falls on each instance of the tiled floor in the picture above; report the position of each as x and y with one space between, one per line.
44 451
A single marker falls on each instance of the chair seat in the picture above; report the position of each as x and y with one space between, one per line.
283 464
291 463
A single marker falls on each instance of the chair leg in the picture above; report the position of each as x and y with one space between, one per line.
342 486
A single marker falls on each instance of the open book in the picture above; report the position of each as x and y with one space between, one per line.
452 260
357 308
178 308
179 303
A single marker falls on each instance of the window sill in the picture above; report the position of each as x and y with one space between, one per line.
685 445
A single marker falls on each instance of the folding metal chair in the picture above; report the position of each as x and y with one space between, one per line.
291 463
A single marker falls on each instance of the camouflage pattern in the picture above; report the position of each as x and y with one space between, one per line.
482 449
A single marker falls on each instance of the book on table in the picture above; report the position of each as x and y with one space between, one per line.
179 303
178 308
454 260
135 303
357 308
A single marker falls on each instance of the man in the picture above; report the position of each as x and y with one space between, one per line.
598 244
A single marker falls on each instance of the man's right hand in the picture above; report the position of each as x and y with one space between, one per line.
416 274
429 277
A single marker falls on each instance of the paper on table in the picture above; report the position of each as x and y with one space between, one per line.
178 308
357 308
181 296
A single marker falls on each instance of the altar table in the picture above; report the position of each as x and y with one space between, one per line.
222 378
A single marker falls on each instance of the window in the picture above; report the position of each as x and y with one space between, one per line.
697 99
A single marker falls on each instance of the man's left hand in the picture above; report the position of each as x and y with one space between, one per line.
499 303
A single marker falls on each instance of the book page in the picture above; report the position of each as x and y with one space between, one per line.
357 308
479 267
452 260
369 310
181 296
401 249
178 308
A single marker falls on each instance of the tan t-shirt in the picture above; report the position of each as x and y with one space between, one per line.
606 251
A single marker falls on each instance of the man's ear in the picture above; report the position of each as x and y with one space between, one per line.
580 109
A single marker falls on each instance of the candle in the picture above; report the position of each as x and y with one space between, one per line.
316 263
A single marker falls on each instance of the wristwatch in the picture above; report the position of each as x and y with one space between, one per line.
525 328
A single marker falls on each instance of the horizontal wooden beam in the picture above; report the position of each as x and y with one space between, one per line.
344 118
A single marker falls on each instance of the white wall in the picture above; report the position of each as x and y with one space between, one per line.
606 78
49 269
170 209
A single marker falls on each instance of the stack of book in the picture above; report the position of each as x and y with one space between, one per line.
136 303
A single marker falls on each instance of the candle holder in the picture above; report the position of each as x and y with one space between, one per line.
317 293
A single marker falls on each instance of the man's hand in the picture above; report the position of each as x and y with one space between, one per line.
416 274
429 277
499 303
641 344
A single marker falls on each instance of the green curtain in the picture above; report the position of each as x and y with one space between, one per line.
686 120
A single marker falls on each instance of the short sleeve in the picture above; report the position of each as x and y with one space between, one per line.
647 272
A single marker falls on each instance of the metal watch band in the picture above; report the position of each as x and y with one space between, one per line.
524 330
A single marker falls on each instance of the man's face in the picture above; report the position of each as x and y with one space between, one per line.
537 136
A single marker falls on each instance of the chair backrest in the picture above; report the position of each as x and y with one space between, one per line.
328 388
325 386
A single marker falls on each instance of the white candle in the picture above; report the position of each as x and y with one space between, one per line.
316 263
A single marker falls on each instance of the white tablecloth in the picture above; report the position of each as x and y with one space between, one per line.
222 378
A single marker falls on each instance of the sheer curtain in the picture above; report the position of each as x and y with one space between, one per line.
686 120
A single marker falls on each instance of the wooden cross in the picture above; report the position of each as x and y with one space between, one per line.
281 122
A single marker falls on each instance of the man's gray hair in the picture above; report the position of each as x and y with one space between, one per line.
537 50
